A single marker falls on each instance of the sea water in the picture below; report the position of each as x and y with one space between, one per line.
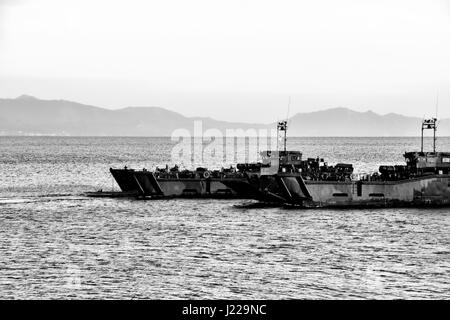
57 243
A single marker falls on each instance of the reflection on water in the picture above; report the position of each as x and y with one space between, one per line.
55 243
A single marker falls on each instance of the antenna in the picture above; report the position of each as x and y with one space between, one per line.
289 107
437 103
283 125
436 121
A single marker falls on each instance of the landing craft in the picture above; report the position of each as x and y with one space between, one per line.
423 181
284 177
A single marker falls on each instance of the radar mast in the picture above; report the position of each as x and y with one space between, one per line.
282 133
430 124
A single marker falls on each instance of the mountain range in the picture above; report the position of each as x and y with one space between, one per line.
27 115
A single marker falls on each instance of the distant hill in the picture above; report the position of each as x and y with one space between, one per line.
28 115
345 122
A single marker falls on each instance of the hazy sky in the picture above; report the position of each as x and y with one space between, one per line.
233 59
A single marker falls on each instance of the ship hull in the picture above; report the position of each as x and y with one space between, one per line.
146 184
427 191
424 191
291 189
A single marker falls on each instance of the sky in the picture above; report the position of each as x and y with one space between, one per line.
236 60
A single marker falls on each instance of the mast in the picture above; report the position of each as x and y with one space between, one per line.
430 124
282 132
